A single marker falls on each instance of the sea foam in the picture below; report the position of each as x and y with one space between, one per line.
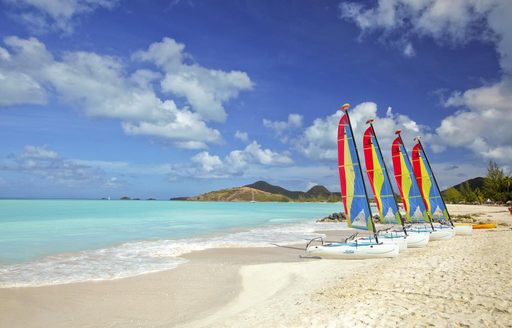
135 258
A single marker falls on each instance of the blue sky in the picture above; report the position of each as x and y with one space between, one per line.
171 98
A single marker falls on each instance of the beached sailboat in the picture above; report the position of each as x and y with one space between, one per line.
355 202
383 192
430 191
415 210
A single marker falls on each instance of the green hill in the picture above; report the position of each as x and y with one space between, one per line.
267 187
472 184
466 191
317 193
265 192
239 194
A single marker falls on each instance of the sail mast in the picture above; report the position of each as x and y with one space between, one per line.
387 174
408 160
418 139
345 108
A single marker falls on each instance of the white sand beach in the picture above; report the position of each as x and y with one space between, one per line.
465 281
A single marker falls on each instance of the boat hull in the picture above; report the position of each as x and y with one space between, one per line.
413 239
463 230
388 239
351 251
417 239
440 233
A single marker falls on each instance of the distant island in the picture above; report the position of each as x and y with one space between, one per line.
495 188
262 191
477 191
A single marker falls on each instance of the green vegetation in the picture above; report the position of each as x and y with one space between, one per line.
315 194
240 194
496 186
262 191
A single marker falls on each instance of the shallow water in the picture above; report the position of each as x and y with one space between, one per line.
59 241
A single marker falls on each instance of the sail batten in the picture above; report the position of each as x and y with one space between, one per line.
353 190
414 206
428 186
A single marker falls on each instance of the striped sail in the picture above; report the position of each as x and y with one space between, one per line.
414 206
428 187
353 193
379 180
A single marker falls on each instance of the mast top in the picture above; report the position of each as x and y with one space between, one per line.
417 138
345 107
398 132
369 121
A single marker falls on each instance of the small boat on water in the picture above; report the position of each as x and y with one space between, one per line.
355 201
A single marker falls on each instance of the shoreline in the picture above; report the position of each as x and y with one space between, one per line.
33 272
272 286
210 280
107 263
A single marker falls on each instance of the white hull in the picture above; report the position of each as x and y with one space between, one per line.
444 233
417 239
395 240
351 251
414 239
463 230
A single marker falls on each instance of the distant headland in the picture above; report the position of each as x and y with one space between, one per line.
262 191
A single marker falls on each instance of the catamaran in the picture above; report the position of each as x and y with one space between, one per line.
355 202
384 195
415 210
430 191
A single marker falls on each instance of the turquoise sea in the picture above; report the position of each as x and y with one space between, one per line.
60 241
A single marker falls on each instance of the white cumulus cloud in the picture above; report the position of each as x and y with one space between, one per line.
294 121
103 86
444 20
484 113
205 89
242 136
236 163
319 140
56 15
207 162
284 129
